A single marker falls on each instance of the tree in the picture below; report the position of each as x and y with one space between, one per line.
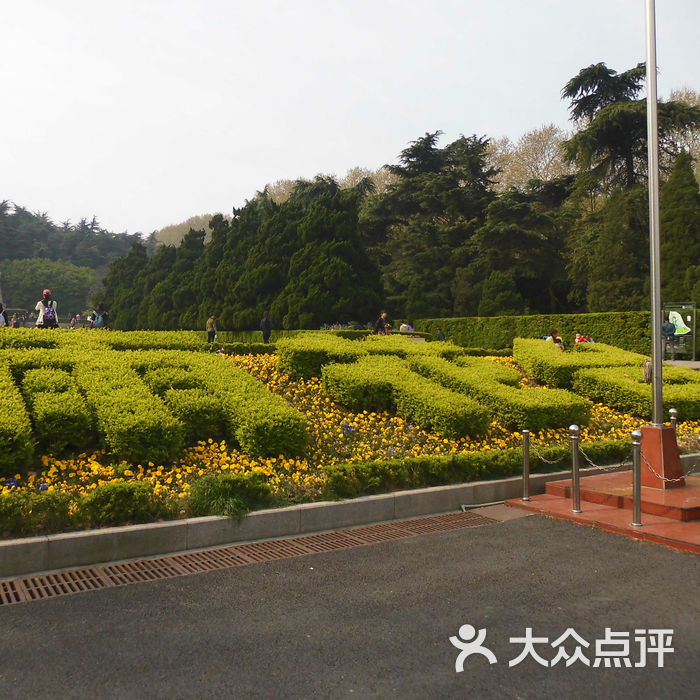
23 281
617 253
687 139
680 231
420 229
611 147
538 155
523 239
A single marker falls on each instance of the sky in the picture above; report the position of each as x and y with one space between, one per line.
144 113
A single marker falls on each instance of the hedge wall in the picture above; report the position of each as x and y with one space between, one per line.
630 330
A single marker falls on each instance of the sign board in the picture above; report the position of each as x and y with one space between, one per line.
684 317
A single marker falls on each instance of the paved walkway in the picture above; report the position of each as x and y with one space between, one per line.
369 622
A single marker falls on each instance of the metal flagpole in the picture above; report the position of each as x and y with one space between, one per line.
654 255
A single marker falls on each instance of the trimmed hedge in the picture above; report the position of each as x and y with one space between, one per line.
403 346
385 383
548 365
624 389
515 408
133 423
16 440
200 414
262 423
303 356
31 513
360 479
120 503
630 330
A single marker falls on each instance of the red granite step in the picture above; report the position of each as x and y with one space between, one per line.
615 489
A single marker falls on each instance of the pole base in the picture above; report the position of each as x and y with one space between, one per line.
660 449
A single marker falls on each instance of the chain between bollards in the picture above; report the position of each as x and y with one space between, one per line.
575 482
526 465
637 478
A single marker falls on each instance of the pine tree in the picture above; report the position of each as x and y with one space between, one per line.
680 231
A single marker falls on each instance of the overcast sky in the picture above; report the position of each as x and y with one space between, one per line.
146 112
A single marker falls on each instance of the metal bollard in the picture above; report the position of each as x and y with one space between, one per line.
526 465
574 431
637 478
674 417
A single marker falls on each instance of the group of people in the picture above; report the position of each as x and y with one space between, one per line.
557 339
13 321
265 327
47 315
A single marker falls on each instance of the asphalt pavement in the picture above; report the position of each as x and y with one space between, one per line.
374 622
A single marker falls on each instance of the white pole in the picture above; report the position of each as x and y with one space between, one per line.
654 255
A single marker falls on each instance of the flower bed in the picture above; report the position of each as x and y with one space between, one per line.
347 452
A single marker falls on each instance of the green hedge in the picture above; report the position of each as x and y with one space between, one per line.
262 423
624 389
359 479
548 365
133 423
303 356
403 346
200 414
385 383
515 408
16 440
630 330
120 503
28 513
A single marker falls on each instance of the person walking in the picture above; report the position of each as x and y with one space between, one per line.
668 337
266 327
46 307
211 328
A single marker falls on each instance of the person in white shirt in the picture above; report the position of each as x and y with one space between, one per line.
48 317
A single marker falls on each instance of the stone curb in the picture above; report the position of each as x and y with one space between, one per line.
33 555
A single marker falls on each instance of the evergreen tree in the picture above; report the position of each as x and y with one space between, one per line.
618 253
680 231
425 221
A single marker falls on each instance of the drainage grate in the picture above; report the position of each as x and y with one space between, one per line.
25 590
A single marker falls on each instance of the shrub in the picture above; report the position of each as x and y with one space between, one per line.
403 346
200 414
25 513
492 386
229 494
630 330
304 356
548 365
358 479
133 423
120 503
16 440
62 420
379 383
45 379
161 379
624 389
262 423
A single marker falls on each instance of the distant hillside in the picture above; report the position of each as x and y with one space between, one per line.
70 259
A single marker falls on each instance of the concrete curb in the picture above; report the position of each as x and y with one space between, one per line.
33 555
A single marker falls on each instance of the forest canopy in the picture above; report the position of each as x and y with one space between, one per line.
555 223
